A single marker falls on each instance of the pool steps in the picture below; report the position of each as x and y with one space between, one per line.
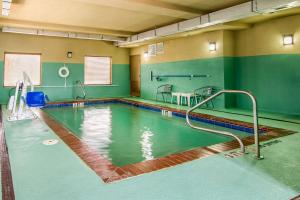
80 104
166 113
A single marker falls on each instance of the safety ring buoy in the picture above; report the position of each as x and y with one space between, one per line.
63 72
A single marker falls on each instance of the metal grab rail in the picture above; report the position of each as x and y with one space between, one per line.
255 120
82 90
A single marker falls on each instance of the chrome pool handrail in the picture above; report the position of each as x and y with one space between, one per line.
255 120
82 89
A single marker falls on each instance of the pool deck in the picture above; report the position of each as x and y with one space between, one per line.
56 172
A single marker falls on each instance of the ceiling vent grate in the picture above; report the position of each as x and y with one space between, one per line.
160 48
152 50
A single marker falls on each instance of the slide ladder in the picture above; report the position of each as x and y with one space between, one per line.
20 111
82 90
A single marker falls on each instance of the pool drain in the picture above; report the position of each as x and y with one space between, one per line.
50 142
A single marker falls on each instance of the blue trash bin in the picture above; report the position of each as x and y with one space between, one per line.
36 99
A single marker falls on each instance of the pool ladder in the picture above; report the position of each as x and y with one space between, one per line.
78 82
226 133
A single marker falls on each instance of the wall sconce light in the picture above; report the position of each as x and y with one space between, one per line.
145 54
212 46
288 39
69 54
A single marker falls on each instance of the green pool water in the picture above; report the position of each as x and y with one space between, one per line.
126 134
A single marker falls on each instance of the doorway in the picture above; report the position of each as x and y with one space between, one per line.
135 75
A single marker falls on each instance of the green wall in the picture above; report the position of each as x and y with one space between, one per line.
215 67
273 79
120 87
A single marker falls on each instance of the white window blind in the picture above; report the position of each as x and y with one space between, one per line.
97 70
15 64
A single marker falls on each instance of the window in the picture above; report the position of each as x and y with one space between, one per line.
97 70
15 64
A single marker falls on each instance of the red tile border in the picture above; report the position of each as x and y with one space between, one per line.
109 172
296 198
6 176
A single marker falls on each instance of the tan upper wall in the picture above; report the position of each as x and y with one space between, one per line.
190 47
266 37
228 43
263 38
54 49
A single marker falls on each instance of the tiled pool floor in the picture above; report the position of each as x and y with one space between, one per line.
55 172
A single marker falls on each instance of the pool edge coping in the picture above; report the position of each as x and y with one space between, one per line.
6 173
110 173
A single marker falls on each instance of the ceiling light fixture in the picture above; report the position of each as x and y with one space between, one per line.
69 54
145 54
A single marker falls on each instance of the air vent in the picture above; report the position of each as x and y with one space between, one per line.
152 50
160 48
263 6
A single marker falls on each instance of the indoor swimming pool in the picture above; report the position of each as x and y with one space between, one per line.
150 100
125 134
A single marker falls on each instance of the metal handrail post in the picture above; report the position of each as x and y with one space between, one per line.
255 120
82 88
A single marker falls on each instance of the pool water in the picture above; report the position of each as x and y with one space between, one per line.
125 134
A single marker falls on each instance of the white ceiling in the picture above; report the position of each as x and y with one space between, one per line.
116 17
